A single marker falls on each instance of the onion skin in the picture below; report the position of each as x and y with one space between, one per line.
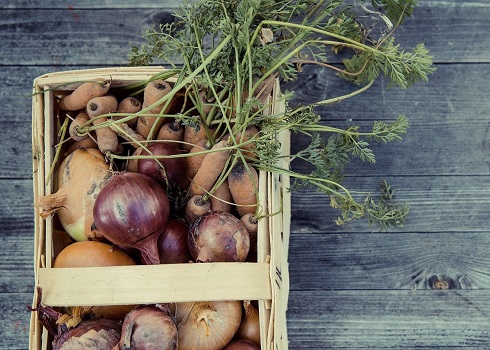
96 254
207 325
148 327
218 236
81 176
173 172
242 344
250 327
131 211
172 243
105 334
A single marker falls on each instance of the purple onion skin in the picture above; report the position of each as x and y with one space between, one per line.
105 333
242 344
148 327
218 236
131 211
172 243
173 173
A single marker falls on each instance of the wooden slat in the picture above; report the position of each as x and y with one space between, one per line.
154 284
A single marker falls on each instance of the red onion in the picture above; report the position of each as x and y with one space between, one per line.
242 344
173 172
149 327
131 211
100 334
218 236
172 243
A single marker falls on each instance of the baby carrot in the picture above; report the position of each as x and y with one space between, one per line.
211 167
243 181
79 97
107 140
153 92
80 119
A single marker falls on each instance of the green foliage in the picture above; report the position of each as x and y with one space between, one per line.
229 48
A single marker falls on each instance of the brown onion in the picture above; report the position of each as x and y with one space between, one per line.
81 176
149 327
169 172
218 236
95 254
104 334
131 211
172 243
242 344
250 327
207 325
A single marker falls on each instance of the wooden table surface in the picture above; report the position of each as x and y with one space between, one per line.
350 288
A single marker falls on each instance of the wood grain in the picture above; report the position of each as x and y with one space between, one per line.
350 288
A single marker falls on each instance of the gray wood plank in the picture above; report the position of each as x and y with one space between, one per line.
15 319
363 319
389 261
65 36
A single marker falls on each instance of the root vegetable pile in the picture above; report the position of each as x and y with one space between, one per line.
167 170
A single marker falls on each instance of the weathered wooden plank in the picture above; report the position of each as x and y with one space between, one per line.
363 319
67 35
437 204
14 322
17 261
389 261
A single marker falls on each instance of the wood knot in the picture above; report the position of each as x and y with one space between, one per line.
442 283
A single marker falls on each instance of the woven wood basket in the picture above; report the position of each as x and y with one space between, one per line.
266 280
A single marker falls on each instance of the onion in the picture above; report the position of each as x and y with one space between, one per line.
172 243
131 211
149 327
95 254
173 172
242 344
81 176
207 325
218 236
100 334
250 327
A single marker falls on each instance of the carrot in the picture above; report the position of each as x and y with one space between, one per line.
107 140
79 97
154 91
192 136
211 167
243 181
196 206
249 220
250 132
128 105
88 142
132 164
193 162
173 131
80 119
221 198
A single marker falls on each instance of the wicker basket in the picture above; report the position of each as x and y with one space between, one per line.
266 280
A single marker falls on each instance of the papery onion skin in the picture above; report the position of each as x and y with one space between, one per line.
131 211
104 333
172 243
218 236
148 327
208 325
250 326
96 254
242 344
81 176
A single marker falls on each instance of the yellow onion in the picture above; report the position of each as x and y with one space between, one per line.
80 177
250 327
208 325
96 254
